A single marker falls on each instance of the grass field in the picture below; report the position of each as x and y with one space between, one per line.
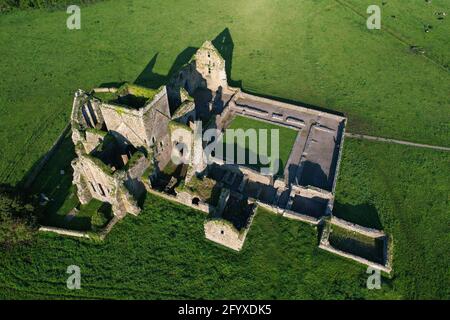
162 253
286 141
317 52
404 191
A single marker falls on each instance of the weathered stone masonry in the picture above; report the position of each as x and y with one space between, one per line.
124 140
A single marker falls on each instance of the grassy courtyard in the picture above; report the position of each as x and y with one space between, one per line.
286 141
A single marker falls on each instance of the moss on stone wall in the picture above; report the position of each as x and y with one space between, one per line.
204 188
134 160
97 131
173 125
101 165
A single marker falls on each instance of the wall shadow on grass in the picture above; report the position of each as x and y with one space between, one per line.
150 79
225 45
365 214
54 181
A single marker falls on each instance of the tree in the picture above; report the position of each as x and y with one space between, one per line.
17 219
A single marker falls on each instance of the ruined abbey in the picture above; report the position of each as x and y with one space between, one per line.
124 138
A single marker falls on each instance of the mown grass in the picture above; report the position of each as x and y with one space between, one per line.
318 52
286 139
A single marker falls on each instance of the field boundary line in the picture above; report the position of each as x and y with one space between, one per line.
394 34
402 142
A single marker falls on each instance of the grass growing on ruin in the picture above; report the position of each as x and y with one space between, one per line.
286 141
318 52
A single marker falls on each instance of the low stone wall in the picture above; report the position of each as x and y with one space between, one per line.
289 214
204 207
372 233
65 232
104 90
338 164
81 234
284 105
103 233
301 217
310 192
273 209
369 232
366 262
251 174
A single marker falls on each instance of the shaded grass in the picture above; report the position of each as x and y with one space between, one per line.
354 243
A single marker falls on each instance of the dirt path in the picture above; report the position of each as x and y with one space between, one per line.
406 143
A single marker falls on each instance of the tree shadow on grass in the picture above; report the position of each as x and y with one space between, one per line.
365 215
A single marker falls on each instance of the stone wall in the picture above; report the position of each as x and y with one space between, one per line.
355 258
252 175
211 66
64 232
92 140
156 117
369 232
100 185
222 232
372 233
